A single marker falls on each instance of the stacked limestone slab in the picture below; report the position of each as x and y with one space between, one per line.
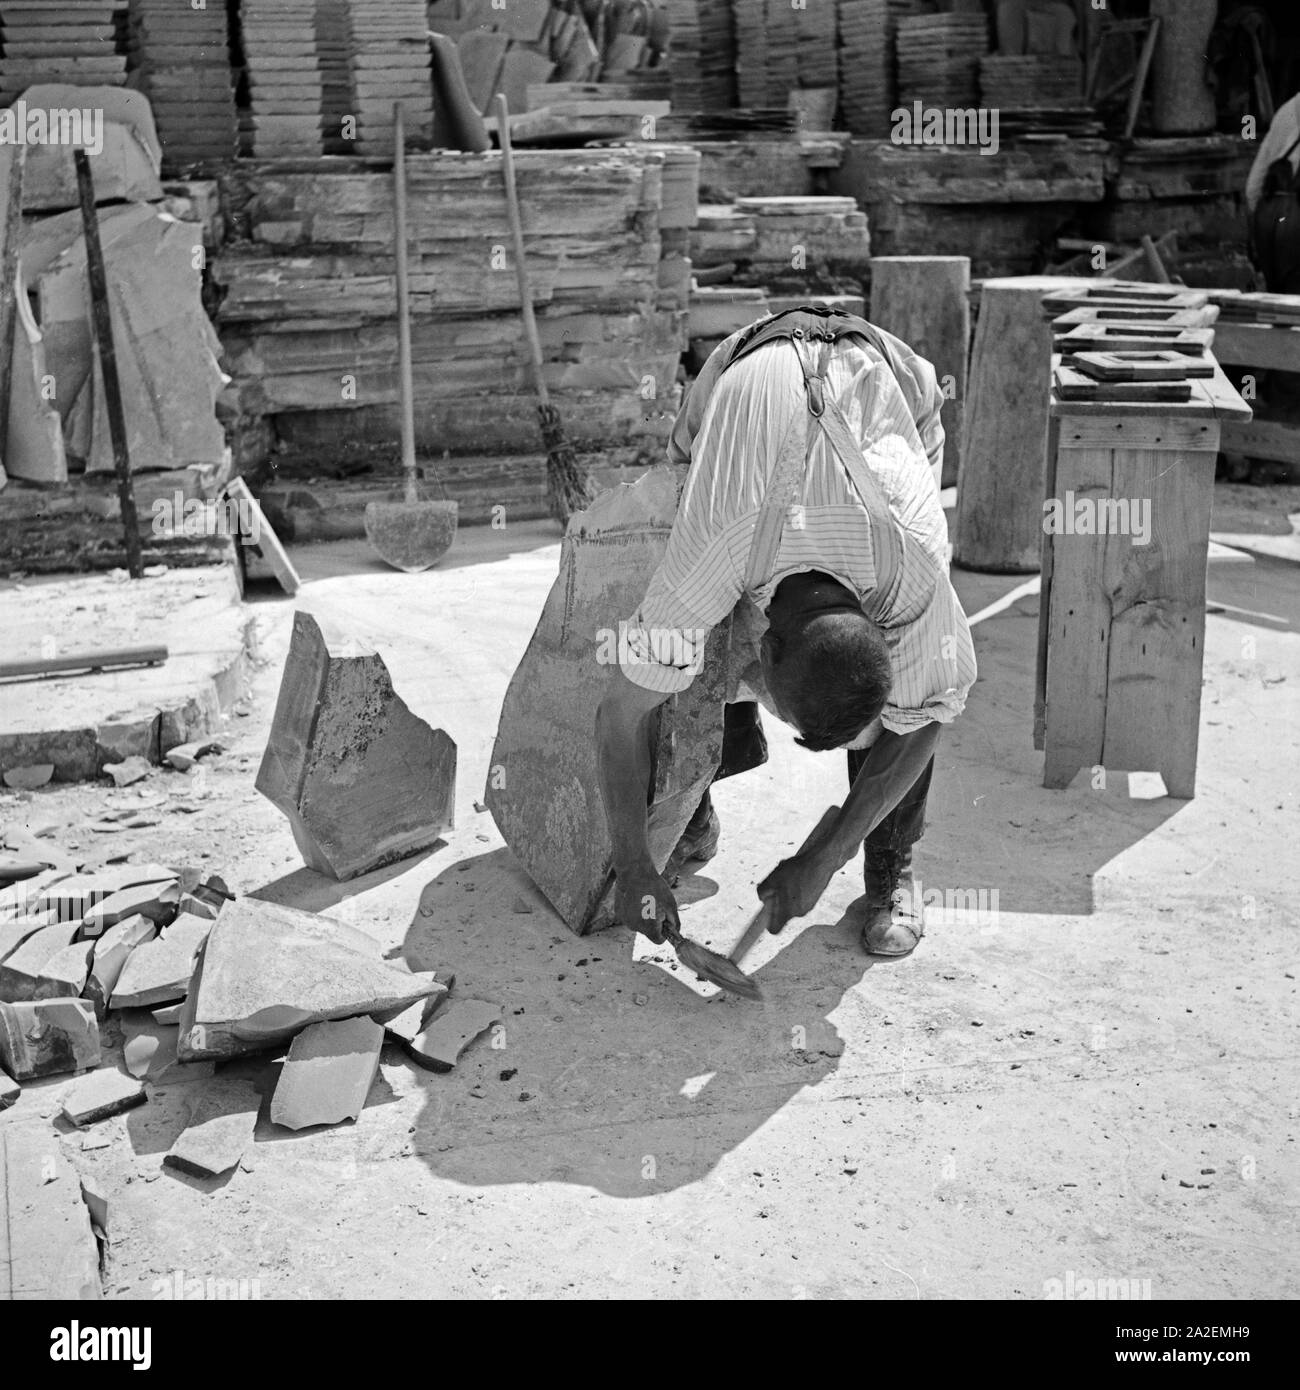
68 41
388 62
180 58
285 82
868 86
308 317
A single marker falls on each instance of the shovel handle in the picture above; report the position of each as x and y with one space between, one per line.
758 924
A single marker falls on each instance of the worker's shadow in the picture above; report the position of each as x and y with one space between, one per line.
607 1073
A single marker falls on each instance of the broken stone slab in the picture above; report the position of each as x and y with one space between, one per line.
543 786
219 1131
10 1091
362 780
74 896
328 1073
410 1021
20 899
101 1095
110 956
129 770
169 1013
159 971
269 971
21 970
64 974
185 755
159 902
50 1251
19 929
96 1200
439 1046
28 779
48 1037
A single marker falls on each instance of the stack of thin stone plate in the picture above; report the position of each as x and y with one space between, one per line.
868 89
180 58
782 52
939 59
751 52
58 41
1031 80
816 57
388 58
700 65
285 86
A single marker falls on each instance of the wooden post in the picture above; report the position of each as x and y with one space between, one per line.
924 301
1181 100
1000 486
13 159
1122 626
108 363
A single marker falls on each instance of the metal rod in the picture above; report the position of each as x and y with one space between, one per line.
403 302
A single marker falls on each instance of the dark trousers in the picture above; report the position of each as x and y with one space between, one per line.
744 747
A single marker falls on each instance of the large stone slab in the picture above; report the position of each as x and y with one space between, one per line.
269 971
47 1247
542 789
159 971
362 780
20 972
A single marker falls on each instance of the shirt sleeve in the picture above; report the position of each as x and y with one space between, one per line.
1281 136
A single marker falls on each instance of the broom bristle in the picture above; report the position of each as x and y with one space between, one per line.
566 488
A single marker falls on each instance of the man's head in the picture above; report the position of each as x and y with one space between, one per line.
828 673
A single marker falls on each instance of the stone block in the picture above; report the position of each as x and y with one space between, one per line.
48 1037
328 1073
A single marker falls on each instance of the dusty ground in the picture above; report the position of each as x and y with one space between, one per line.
1093 1072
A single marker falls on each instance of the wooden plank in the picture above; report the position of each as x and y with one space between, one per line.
1263 438
1078 638
1262 346
1157 624
262 538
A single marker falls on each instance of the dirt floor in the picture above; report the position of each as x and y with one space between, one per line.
1088 1068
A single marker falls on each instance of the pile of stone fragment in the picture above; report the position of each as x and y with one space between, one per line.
189 976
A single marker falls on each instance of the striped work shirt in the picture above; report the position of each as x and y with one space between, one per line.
733 430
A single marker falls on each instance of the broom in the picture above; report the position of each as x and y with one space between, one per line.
566 489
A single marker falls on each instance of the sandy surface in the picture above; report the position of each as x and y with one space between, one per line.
1090 1069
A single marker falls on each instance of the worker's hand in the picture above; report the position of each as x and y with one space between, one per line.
794 888
644 901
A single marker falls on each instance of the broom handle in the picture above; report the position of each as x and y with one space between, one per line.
403 303
517 236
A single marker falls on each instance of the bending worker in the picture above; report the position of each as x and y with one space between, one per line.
811 509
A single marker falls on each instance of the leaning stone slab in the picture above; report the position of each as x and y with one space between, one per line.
159 971
328 1073
109 959
363 781
543 790
269 971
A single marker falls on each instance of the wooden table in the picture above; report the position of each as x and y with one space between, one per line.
1121 633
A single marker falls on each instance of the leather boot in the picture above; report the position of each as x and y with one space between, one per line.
895 915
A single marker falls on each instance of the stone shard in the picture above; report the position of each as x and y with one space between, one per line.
185 755
439 1046
132 769
362 780
111 952
64 974
269 971
17 930
47 1037
543 791
328 1073
100 1095
20 972
156 901
27 779
169 1013
159 971
47 1247
219 1131
410 1021
10 1091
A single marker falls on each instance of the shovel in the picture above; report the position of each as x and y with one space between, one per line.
408 532
726 972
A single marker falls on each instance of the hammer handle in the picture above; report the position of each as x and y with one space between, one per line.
758 925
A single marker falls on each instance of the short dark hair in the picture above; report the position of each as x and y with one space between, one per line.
835 675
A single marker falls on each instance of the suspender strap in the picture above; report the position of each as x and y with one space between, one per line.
824 416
